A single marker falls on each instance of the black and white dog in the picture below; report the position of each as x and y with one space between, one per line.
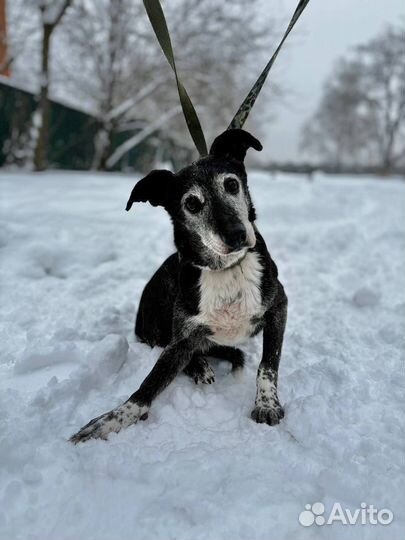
217 290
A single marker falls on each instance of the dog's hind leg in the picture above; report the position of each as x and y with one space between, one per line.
200 370
232 354
155 312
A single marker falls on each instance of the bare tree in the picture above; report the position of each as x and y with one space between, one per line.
384 87
109 66
52 12
121 71
361 117
106 61
30 40
336 131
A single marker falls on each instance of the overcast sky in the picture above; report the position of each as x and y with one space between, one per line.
325 31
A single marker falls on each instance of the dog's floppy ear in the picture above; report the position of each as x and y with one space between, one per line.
234 143
156 188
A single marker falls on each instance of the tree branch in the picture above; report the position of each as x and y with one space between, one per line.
141 136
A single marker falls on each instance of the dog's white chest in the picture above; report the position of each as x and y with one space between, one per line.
230 299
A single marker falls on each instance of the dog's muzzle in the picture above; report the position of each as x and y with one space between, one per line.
235 236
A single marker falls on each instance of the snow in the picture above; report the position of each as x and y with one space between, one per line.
73 265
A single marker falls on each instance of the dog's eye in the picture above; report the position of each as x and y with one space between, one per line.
231 186
193 204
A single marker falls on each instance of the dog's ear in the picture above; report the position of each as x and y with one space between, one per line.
156 188
234 143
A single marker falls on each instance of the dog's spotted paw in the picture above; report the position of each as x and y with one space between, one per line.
200 371
268 415
268 409
113 421
205 377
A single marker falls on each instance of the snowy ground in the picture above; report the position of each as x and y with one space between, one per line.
73 265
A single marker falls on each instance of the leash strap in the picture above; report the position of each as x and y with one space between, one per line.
243 112
157 19
159 25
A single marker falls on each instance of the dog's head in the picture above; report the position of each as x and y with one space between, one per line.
209 202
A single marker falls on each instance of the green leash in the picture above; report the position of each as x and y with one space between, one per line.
158 21
159 25
243 112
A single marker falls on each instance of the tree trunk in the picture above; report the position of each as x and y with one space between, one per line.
102 164
102 146
40 154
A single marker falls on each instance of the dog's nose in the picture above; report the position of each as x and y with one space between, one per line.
235 236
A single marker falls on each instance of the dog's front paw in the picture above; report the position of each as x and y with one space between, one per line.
200 371
113 421
268 415
205 376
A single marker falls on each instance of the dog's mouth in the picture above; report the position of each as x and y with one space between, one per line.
228 251
222 249
232 251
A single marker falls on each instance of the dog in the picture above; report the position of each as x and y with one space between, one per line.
220 288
